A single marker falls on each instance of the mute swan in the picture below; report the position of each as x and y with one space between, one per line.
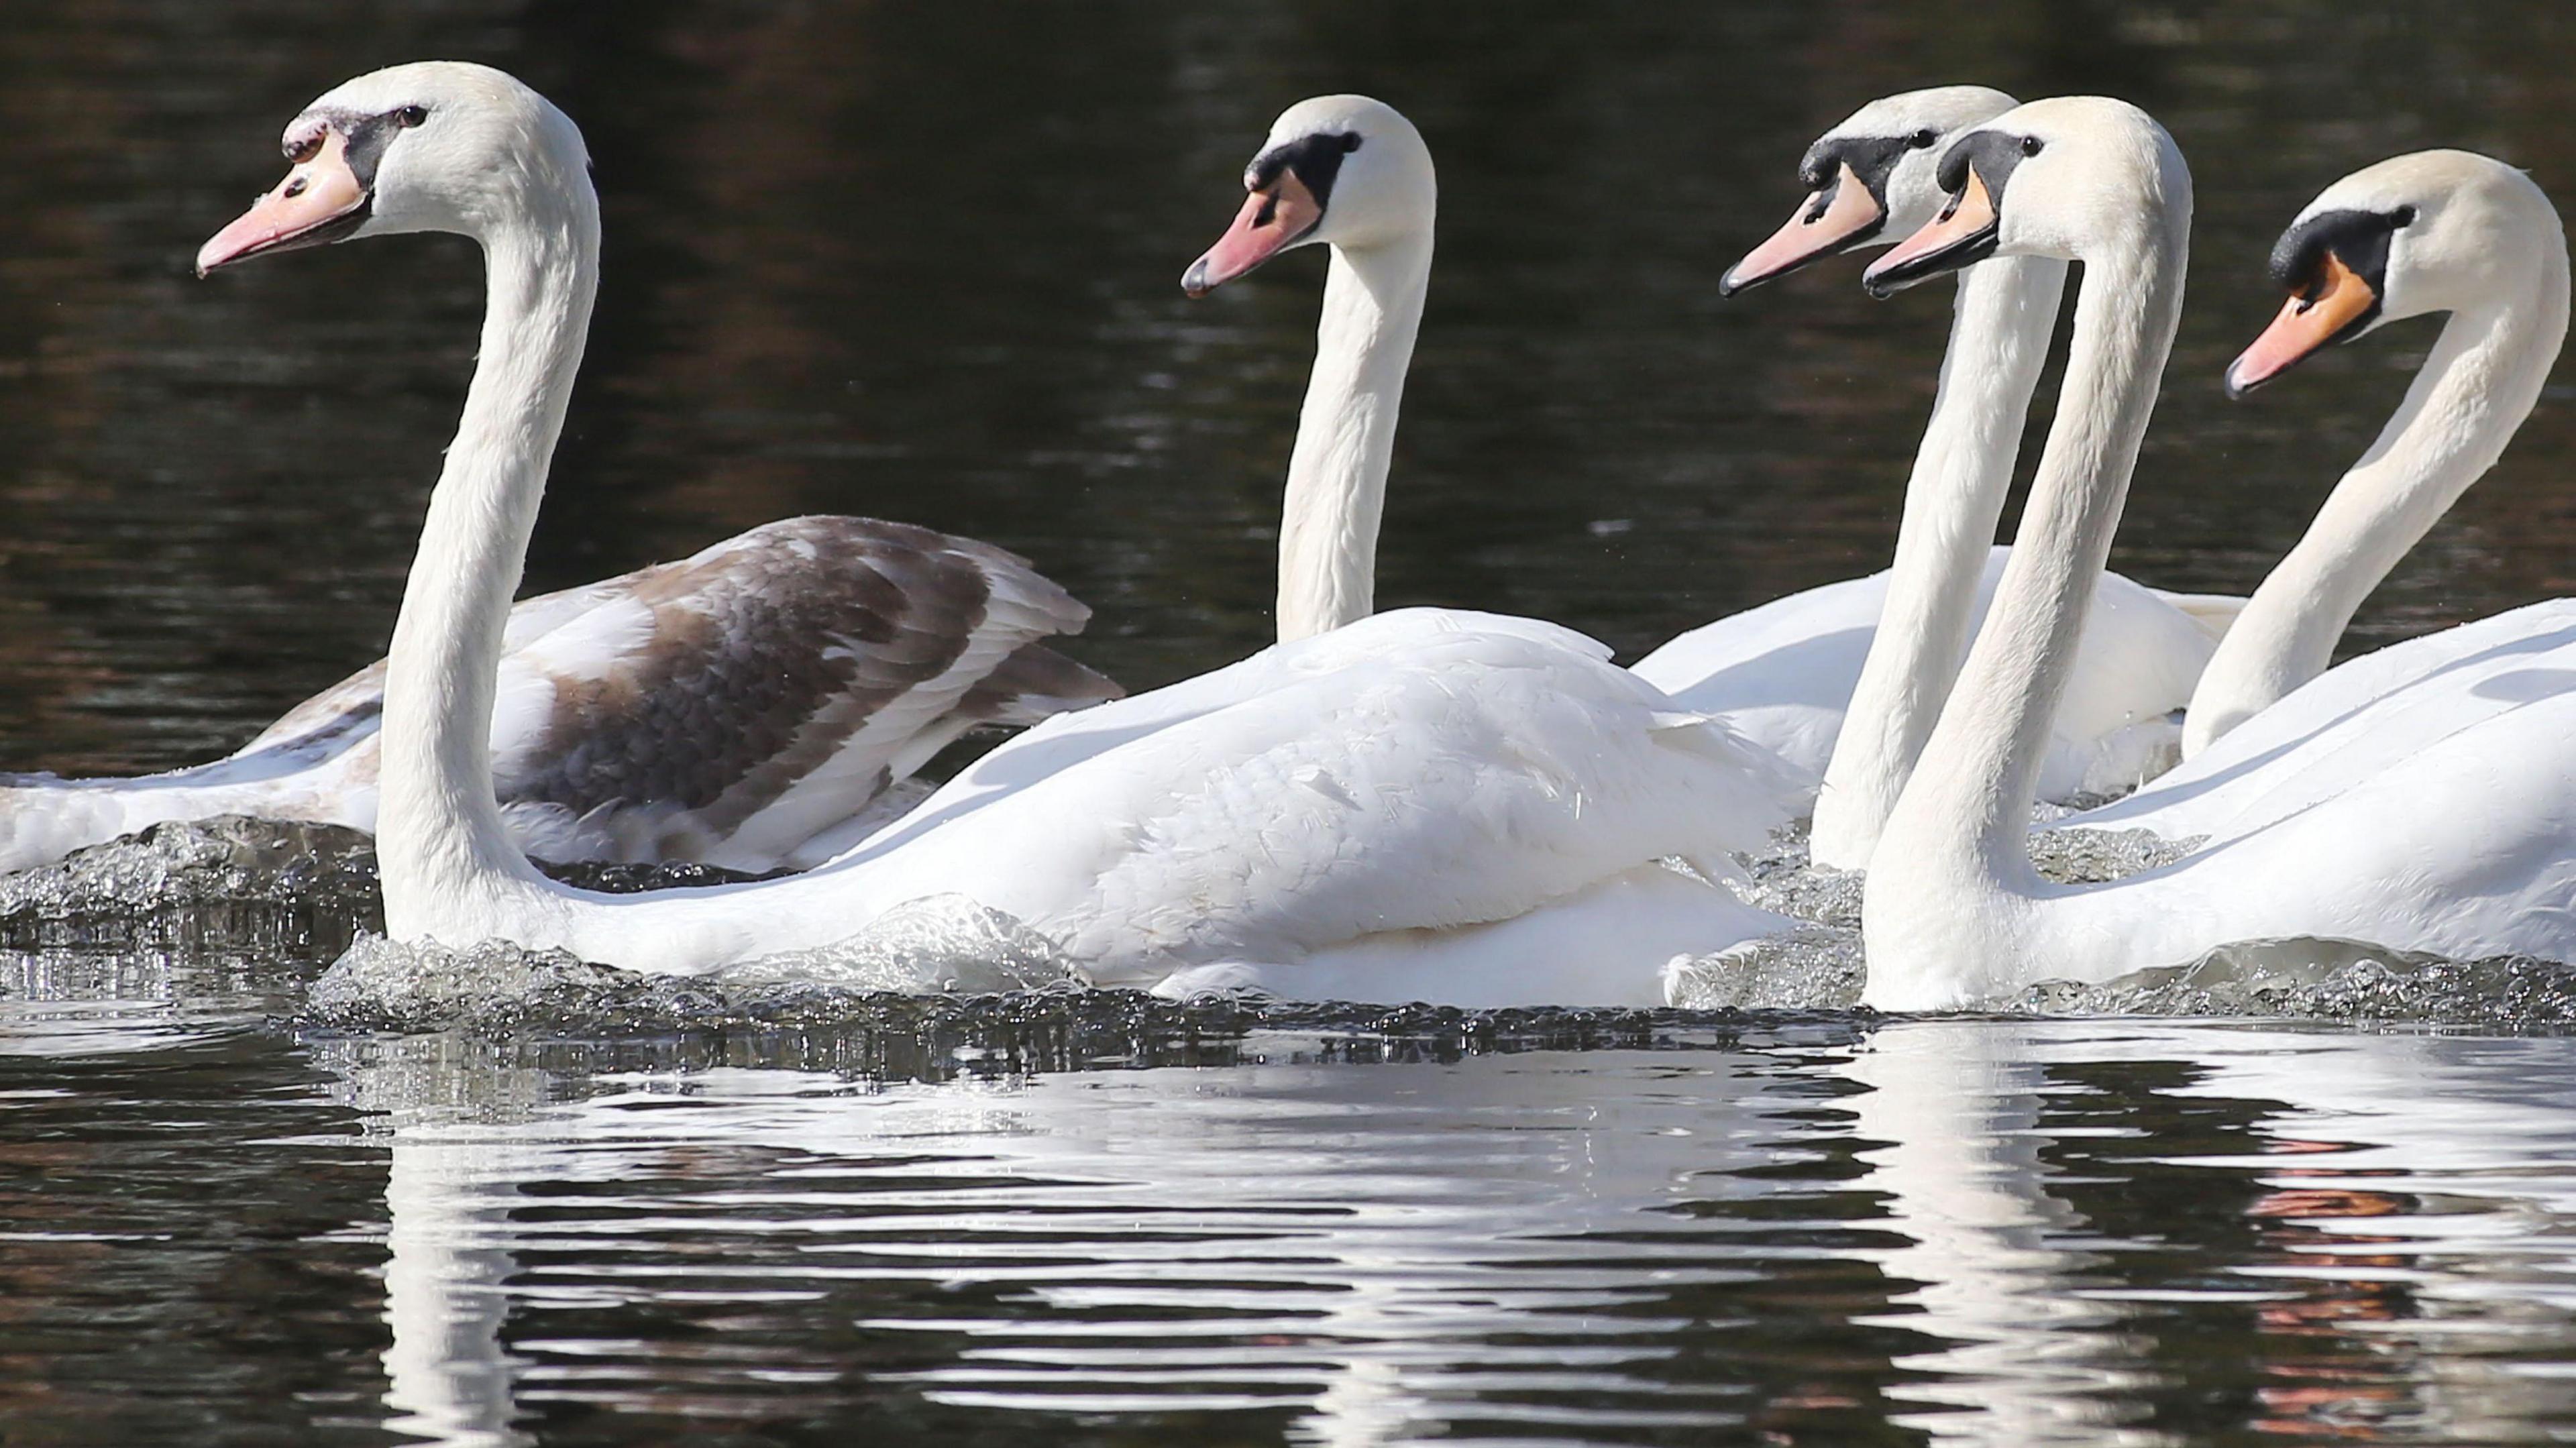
2448 828
1791 673
1421 772
2432 231
2435 231
1780 675
740 707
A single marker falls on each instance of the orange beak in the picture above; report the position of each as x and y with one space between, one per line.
1962 235
2306 323
1815 230
1268 224
320 201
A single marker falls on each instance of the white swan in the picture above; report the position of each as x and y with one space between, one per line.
1423 772
2449 827
2431 231
742 707
1792 674
1783 674
2434 231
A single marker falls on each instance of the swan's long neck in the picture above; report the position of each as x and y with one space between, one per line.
440 840
1346 434
1954 863
2483 377
1998 342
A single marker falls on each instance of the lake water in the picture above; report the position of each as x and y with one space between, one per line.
921 261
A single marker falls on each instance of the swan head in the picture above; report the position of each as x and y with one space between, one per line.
432 146
1341 171
1869 179
2432 231
2078 178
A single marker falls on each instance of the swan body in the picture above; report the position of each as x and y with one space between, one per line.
729 708
1352 808
1783 674
1847 679
2455 835
1426 771
2357 722
2478 240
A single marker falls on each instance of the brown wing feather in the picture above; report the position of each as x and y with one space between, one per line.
765 657
1032 684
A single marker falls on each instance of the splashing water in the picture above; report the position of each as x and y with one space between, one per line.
2095 857
940 945
257 889
230 859
1813 967
2333 980
1781 879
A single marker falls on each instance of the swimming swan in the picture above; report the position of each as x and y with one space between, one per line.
1442 774
1847 678
2457 836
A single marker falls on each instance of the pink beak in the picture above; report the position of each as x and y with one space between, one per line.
319 201
1807 236
1268 224
1972 213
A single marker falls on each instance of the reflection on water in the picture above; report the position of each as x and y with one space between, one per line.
1767 1229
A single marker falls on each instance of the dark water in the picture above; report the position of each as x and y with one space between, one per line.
920 260
1017 1224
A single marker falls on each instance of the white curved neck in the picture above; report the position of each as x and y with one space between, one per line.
2481 380
1346 434
1953 872
1999 336
439 838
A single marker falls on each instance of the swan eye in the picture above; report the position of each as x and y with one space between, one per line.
1922 140
2030 145
2402 216
1350 144
412 115
305 150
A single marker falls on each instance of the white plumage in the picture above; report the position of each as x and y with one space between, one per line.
1423 771
2421 799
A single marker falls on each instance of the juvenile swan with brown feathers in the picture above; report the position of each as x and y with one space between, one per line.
746 707
1382 804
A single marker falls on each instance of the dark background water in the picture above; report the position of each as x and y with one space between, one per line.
920 260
